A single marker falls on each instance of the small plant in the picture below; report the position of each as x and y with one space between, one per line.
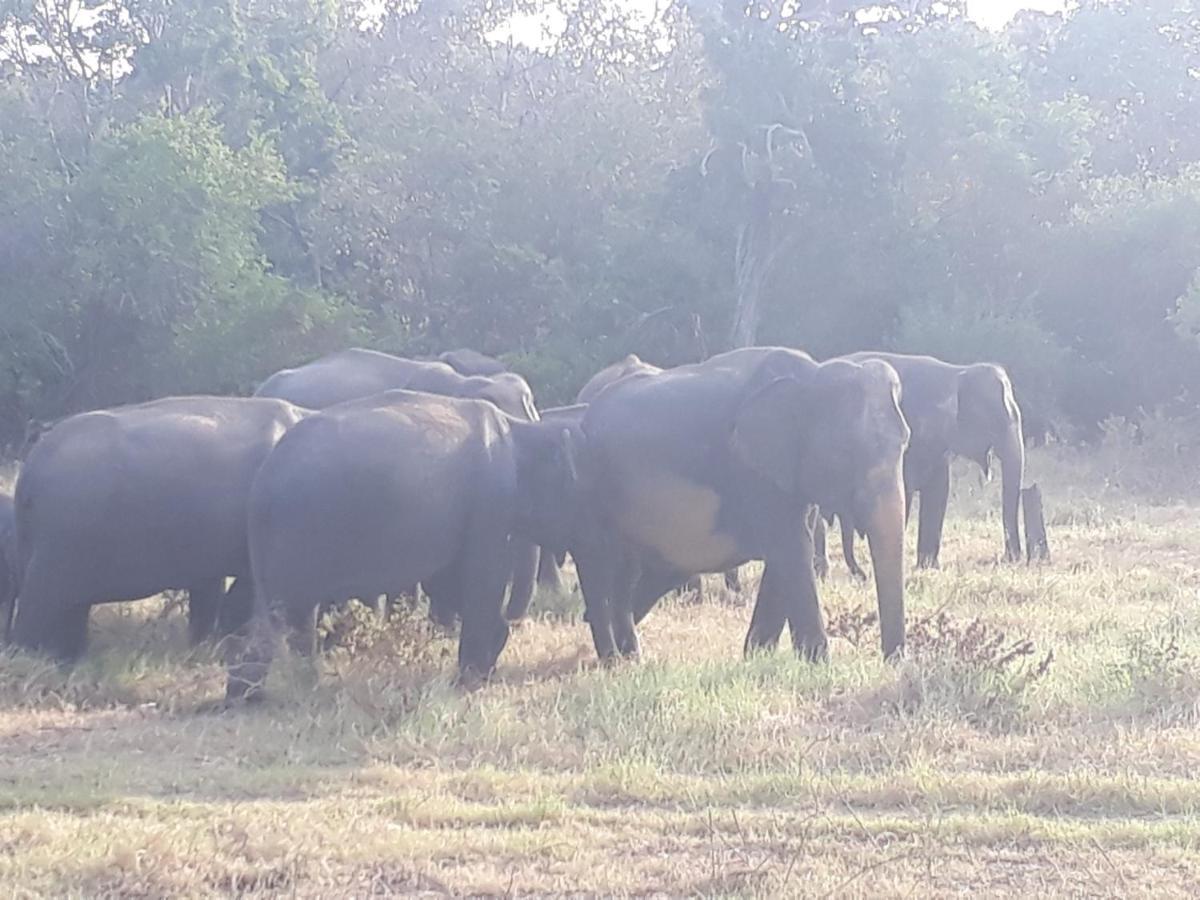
1159 674
978 670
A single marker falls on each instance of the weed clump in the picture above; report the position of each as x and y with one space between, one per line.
1158 674
967 668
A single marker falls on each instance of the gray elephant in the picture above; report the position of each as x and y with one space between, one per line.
630 365
965 410
707 466
471 362
399 488
122 503
356 373
8 560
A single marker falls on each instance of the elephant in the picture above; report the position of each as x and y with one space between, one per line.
8 559
121 503
704 467
398 488
630 365
465 361
356 373
964 410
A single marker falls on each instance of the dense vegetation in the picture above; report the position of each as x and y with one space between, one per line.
196 192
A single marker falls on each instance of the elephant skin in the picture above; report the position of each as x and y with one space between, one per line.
465 361
332 515
952 410
630 365
357 373
8 560
123 503
704 467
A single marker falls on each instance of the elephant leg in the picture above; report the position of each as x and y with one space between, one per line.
526 557
798 586
204 604
820 554
848 530
930 517
237 606
768 618
43 622
484 571
549 574
443 591
301 624
650 588
733 579
628 576
597 574
788 593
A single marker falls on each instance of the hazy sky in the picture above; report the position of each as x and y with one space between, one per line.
995 13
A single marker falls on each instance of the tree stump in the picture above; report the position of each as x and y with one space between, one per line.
1037 546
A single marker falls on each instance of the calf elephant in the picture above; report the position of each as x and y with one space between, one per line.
332 514
704 467
122 503
964 410
356 373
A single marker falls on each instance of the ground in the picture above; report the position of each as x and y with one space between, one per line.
1043 735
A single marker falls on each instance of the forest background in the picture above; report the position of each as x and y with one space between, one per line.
195 193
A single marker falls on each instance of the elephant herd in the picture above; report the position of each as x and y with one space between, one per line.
363 474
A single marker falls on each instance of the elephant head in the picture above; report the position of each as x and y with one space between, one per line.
835 437
547 481
988 419
507 390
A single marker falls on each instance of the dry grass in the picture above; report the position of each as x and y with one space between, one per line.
1043 735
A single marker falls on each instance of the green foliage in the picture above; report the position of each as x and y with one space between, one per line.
193 194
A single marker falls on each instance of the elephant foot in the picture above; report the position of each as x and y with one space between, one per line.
821 568
814 650
858 574
927 561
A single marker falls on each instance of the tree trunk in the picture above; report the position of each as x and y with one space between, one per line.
752 261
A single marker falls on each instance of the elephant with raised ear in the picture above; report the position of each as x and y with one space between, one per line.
399 488
123 503
704 467
952 410
356 373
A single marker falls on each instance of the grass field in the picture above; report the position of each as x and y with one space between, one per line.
1042 736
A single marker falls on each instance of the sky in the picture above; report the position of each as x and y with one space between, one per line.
996 13
530 29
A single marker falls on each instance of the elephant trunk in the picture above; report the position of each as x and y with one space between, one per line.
885 535
1012 468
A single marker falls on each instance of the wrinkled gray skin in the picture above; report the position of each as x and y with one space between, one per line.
471 362
549 571
630 365
333 515
356 373
122 503
8 560
633 364
952 410
704 467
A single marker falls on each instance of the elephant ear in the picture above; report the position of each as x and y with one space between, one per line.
767 431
